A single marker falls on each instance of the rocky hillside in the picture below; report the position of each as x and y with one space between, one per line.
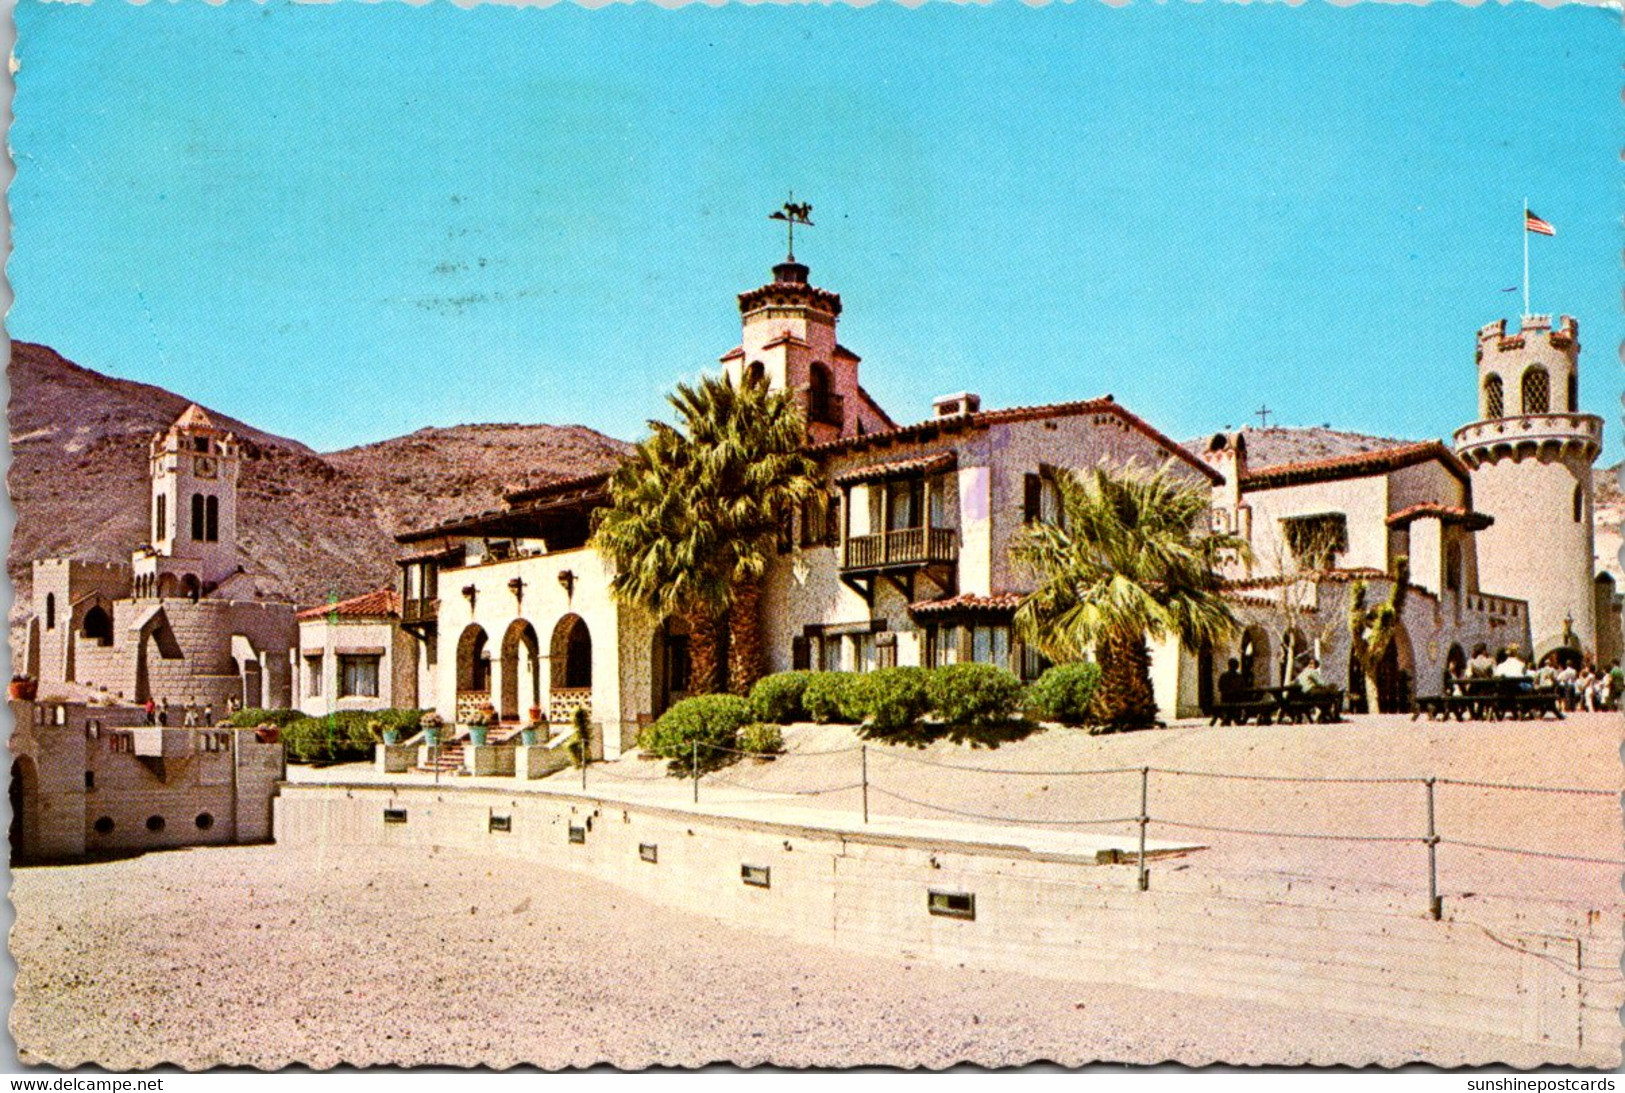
308 523
1609 516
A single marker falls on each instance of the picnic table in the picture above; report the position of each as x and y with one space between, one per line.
1291 703
1494 699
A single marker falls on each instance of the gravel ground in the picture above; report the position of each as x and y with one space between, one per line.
256 956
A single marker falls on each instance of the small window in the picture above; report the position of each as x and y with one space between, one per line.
501 823
1579 504
951 904
200 444
1537 391
90 779
832 521
648 852
757 876
160 518
1494 400
358 676
211 519
394 815
204 821
578 835
155 824
197 518
50 611
1574 393
103 825
313 676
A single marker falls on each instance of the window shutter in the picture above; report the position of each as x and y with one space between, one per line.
832 521
1032 497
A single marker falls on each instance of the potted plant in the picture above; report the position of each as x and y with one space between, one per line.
479 726
23 688
391 733
431 724
531 734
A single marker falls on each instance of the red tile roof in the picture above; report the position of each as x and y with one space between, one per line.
924 464
969 601
383 603
983 418
1447 514
1357 465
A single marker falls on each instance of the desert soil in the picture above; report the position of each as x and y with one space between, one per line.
256 956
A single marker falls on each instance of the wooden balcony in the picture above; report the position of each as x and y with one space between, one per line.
898 556
419 613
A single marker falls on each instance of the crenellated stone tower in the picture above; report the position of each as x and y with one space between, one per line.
1530 453
193 511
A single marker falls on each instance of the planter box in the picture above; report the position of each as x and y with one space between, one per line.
489 759
538 761
394 758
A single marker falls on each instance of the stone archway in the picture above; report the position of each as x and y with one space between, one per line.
1255 656
24 795
473 670
521 673
569 668
1396 673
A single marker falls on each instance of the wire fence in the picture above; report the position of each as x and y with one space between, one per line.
866 784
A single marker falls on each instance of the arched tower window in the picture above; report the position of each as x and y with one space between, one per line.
1494 405
211 519
197 518
1537 391
1579 503
818 394
1574 393
755 373
160 511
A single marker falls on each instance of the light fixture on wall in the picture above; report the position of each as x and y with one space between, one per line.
567 578
470 593
517 587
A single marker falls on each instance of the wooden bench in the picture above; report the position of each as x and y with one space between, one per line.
1261 710
1321 707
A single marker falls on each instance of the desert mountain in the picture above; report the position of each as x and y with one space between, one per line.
308 524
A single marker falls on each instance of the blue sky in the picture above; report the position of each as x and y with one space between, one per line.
343 222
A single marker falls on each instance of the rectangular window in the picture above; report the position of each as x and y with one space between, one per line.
864 650
832 521
945 648
394 815
990 645
951 904
578 835
160 518
1033 663
313 676
1317 540
1031 502
757 876
501 823
358 676
800 654
829 650
648 852
90 779
886 655
812 522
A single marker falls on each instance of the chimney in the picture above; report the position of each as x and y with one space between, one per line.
955 405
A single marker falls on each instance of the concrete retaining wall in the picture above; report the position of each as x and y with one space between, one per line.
1544 974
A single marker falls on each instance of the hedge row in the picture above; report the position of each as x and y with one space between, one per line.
894 700
342 737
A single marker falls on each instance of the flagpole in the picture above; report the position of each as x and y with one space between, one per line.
1526 258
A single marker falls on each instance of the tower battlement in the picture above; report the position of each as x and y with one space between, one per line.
1565 335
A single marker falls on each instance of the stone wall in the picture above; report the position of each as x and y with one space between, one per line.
1537 972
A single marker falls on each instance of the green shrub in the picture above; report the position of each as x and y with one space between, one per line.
580 743
346 736
761 739
710 721
832 697
1064 693
892 700
254 718
974 694
778 698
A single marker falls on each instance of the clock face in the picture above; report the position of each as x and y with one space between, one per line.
204 466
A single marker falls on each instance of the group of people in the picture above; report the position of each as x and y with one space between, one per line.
1578 688
192 715
1233 684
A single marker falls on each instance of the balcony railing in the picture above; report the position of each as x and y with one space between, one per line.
908 546
419 611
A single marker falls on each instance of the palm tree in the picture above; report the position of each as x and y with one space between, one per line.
1125 564
695 511
657 551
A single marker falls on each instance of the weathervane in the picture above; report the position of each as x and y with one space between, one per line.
793 214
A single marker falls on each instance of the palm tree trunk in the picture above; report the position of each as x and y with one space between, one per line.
1125 699
745 637
1372 693
703 639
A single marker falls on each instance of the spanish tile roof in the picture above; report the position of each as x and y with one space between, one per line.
194 417
1448 514
1357 465
383 603
560 487
932 427
924 464
969 601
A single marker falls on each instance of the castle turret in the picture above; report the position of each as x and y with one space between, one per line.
1530 453
193 467
789 341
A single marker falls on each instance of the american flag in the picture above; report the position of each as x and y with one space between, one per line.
1535 224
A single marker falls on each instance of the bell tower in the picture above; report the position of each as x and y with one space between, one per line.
193 467
1530 454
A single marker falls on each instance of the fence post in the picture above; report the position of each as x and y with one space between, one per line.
865 757
586 758
1435 904
1145 818
694 768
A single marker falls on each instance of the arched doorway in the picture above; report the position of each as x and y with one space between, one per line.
24 809
569 668
1255 656
1204 678
253 684
1396 674
521 673
473 661
97 626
